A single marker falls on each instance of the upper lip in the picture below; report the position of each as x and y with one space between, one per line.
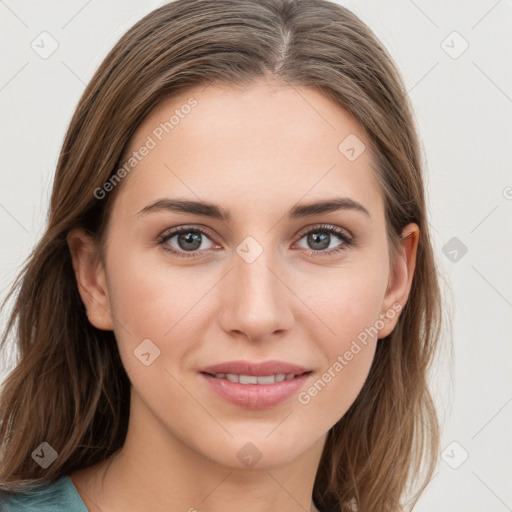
258 369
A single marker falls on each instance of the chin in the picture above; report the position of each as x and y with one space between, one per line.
259 450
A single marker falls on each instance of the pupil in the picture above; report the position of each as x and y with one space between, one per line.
322 240
188 238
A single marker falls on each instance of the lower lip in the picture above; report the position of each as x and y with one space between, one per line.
256 396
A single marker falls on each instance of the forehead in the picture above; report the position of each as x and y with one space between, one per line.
256 147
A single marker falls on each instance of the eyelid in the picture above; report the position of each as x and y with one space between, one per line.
184 227
325 227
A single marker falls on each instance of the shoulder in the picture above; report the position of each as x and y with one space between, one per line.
58 496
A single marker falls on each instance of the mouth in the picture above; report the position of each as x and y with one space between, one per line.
256 379
280 370
255 385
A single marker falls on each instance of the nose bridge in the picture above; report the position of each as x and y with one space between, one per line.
255 301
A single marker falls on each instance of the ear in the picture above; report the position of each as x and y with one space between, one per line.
400 280
90 277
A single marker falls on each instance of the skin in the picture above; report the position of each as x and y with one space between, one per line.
256 152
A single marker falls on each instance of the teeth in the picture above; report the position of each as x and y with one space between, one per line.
248 379
267 379
253 379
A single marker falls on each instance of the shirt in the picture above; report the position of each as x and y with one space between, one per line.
58 496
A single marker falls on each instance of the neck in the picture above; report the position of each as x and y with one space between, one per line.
159 472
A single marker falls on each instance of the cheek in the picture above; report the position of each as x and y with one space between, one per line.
348 302
337 385
348 356
150 299
169 305
349 310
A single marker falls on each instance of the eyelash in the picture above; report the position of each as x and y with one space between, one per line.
324 228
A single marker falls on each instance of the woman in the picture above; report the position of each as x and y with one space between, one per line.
235 303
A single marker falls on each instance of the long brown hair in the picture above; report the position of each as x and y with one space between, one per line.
69 387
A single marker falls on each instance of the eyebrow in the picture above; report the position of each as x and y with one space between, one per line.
217 212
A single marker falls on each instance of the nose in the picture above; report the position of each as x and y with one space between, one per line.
256 301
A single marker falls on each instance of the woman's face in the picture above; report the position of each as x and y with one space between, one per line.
275 279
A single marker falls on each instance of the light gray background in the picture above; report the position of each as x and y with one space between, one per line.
463 106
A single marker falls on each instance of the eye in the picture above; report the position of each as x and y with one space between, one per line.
321 238
187 240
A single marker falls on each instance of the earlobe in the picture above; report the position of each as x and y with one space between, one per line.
90 278
400 280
